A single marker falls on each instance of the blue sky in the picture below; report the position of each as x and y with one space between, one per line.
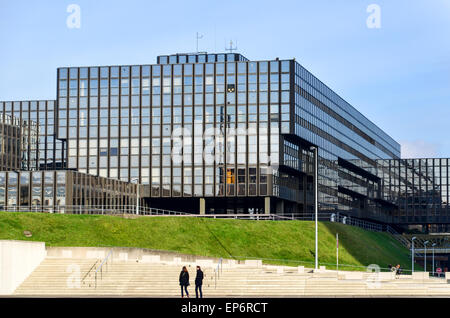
398 75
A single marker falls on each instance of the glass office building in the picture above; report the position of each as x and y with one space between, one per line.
219 133
62 191
18 143
127 122
28 147
420 190
240 131
349 147
49 151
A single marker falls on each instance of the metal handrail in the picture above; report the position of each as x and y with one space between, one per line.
241 216
217 272
88 273
101 266
398 236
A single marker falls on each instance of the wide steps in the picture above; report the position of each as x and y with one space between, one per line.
140 279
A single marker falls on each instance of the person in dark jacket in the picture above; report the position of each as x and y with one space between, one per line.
398 271
184 281
199 282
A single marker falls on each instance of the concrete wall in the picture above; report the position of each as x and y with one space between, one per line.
125 254
144 255
18 259
420 275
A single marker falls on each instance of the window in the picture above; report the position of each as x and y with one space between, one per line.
63 73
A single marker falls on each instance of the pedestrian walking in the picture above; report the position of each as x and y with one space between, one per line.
398 271
199 282
184 281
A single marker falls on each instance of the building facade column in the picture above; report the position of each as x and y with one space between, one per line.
202 206
267 205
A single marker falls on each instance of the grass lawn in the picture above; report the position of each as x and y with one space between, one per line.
290 241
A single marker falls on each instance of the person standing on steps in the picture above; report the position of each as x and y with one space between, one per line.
184 281
199 282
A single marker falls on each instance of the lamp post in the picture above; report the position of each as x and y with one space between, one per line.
412 254
425 256
432 263
316 208
137 194
337 254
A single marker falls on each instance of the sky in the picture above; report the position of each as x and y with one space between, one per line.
397 74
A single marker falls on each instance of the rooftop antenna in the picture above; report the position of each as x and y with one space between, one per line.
215 46
198 37
231 48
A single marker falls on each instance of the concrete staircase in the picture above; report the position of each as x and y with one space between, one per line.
61 277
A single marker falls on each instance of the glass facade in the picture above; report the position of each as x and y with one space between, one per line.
192 126
63 189
46 152
349 147
420 189
221 128
18 143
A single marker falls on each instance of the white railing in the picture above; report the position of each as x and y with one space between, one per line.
340 218
146 211
92 209
442 250
255 217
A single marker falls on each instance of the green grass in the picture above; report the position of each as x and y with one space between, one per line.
290 241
